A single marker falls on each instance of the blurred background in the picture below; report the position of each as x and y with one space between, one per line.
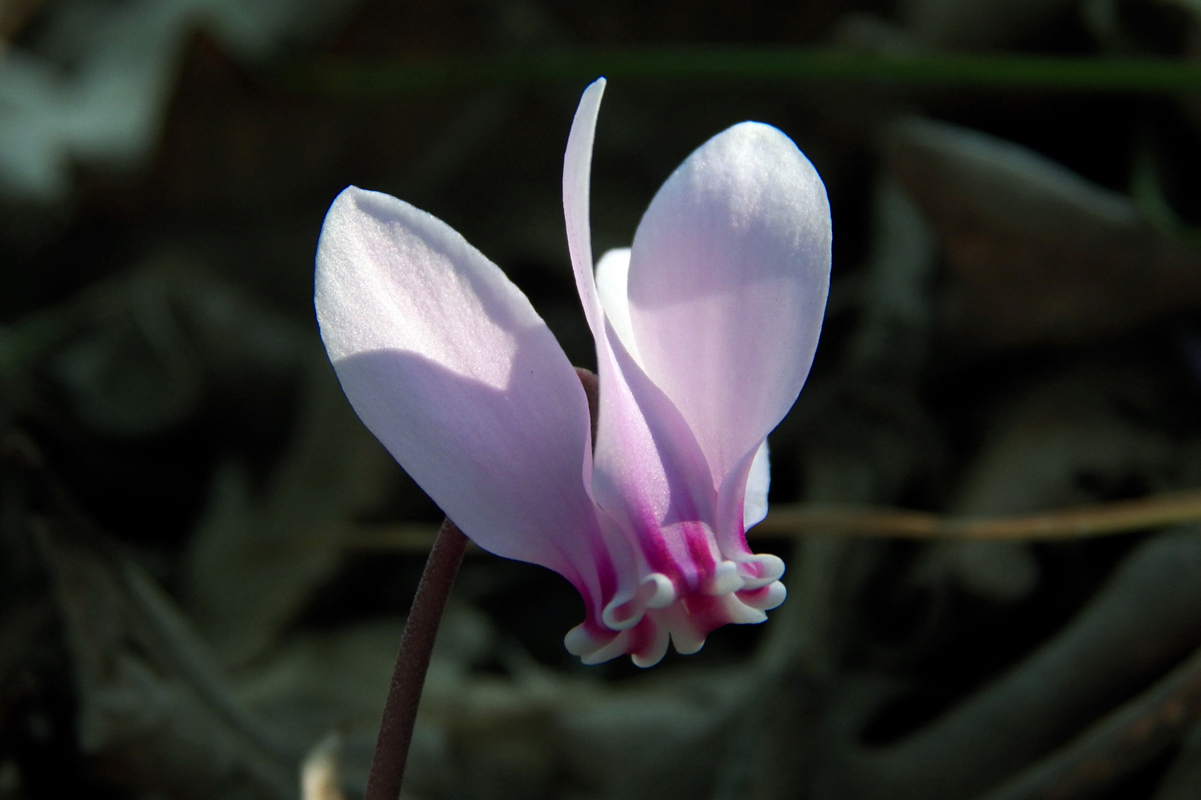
205 560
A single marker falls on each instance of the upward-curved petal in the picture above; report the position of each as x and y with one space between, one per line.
640 473
448 364
577 177
650 479
727 286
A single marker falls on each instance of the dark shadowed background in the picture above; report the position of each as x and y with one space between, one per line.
205 560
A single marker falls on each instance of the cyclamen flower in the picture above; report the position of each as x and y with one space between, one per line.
705 331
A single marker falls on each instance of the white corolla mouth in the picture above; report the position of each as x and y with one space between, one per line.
642 625
760 570
655 591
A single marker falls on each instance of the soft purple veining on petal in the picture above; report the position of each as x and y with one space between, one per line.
727 285
646 466
673 477
447 363
704 332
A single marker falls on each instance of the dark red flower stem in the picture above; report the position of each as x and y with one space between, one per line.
400 710
413 661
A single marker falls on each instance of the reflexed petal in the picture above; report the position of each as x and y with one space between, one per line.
646 466
447 363
577 175
651 479
727 286
648 472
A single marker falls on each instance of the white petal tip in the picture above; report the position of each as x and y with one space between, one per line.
685 643
683 624
623 613
652 652
662 592
760 570
577 641
765 598
592 650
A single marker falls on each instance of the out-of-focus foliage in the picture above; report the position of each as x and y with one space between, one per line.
91 80
205 560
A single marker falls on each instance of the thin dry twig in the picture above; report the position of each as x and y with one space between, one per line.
1099 519
787 521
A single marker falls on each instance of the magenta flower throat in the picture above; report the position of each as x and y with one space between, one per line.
705 331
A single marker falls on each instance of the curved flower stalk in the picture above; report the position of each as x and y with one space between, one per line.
705 331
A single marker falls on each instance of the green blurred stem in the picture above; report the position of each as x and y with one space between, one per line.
412 663
788 66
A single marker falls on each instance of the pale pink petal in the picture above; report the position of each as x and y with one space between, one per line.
628 479
651 480
611 273
648 475
577 174
444 359
727 286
